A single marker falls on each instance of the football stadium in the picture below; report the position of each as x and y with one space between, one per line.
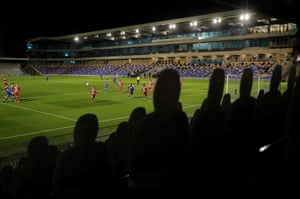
52 88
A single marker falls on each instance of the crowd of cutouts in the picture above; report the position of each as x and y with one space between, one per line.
194 69
246 148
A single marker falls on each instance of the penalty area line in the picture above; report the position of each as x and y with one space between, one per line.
41 112
37 132
54 129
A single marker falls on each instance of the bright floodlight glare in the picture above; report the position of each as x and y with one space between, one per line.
217 20
172 26
193 23
263 148
76 39
245 17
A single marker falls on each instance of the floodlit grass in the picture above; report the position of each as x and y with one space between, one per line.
52 108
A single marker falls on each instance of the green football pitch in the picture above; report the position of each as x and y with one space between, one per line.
52 108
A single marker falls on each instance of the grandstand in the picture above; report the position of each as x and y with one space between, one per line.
10 70
12 67
194 45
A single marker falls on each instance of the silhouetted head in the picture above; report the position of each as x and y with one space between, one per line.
295 59
38 147
86 129
292 78
216 86
136 114
122 128
246 83
167 91
296 44
276 78
296 51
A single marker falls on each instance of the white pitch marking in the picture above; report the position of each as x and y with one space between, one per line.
37 132
55 129
45 113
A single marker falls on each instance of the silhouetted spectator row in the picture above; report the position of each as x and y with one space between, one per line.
246 148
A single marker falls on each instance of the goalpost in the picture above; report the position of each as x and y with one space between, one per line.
258 84
229 87
227 82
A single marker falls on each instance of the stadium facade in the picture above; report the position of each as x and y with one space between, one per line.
235 35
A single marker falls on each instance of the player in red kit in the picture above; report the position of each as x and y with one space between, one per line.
17 93
5 82
145 91
93 93
120 84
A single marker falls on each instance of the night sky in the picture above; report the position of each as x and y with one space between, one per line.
30 20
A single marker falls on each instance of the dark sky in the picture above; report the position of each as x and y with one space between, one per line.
25 20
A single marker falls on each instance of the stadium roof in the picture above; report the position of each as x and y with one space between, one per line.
205 22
